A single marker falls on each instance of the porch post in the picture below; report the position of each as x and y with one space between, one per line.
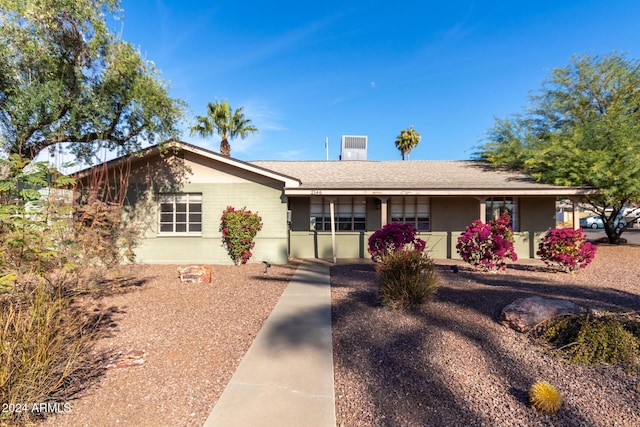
576 214
383 211
332 209
483 210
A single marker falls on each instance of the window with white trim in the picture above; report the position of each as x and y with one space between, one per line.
350 213
411 210
496 206
180 213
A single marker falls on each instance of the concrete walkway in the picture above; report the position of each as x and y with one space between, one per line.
286 376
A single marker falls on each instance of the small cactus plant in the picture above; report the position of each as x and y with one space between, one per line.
545 398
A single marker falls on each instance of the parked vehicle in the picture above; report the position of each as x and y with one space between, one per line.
595 221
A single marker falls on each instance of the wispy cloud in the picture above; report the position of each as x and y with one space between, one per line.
281 43
175 34
461 29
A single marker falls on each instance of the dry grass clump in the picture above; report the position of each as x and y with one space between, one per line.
590 339
45 348
406 278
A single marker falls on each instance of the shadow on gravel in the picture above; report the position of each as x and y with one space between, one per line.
402 356
498 291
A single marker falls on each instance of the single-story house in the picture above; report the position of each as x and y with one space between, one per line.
322 209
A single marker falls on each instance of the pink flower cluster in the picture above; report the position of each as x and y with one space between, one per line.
487 246
394 237
239 228
566 249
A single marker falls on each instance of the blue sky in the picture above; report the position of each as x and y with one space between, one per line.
305 71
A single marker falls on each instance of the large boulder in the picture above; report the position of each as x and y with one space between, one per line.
195 274
524 313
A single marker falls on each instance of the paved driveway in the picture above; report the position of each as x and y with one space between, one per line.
632 235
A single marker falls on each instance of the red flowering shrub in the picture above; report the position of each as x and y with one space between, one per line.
566 249
394 237
487 246
239 228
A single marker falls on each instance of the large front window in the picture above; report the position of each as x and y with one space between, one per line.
496 206
180 213
349 215
411 210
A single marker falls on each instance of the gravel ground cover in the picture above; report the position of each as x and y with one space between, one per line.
450 363
193 337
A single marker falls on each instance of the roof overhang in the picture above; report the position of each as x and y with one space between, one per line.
289 182
479 192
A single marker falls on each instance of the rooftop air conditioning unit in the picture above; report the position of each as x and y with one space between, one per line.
353 148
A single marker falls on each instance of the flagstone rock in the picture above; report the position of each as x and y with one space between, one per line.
524 313
195 274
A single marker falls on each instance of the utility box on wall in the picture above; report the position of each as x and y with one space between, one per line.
353 147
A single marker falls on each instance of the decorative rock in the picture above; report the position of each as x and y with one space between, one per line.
524 313
195 274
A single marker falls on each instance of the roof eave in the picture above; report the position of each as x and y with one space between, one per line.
473 192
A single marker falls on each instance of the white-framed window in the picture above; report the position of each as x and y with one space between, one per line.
411 210
180 213
350 213
496 206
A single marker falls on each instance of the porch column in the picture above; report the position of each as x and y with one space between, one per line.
576 214
383 211
483 209
332 210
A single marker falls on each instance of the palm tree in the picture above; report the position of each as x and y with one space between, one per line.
407 141
222 120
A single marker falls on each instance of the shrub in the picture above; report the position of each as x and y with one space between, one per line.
487 246
239 228
406 278
566 249
545 397
588 339
393 237
45 347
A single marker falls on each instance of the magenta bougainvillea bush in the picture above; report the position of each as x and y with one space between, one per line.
239 228
394 237
566 249
488 246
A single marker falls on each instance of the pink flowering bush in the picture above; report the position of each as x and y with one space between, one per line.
566 249
487 246
239 228
394 237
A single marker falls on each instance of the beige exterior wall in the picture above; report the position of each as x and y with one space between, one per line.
537 213
453 213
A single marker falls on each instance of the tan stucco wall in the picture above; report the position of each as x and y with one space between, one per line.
453 213
537 213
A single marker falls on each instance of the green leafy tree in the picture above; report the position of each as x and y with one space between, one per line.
583 129
65 78
222 120
407 141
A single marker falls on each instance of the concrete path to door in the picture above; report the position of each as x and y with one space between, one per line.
286 376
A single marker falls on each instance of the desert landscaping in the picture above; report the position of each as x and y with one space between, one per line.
448 362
